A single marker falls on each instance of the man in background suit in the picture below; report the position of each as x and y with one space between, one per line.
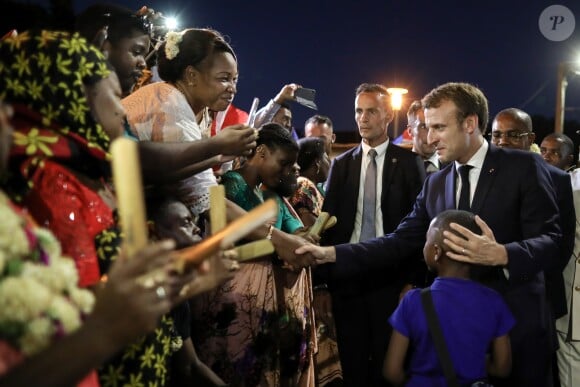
362 305
557 149
418 131
512 194
321 126
512 128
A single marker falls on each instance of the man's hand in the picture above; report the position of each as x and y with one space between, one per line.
286 244
237 140
473 248
320 255
287 93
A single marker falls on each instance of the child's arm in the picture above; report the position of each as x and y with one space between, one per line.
500 363
393 369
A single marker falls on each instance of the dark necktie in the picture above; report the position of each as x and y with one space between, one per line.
368 229
464 202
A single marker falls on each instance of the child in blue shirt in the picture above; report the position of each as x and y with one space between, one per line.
473 319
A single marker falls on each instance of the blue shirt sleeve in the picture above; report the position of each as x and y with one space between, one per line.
401 318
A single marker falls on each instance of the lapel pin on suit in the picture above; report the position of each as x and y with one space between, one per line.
492 170
394 160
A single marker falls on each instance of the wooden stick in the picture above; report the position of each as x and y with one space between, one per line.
129 192
251 250
331 222
318 226
233 232
217 208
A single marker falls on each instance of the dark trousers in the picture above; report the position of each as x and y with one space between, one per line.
363 334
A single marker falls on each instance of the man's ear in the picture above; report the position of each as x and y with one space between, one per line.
389 114
470 123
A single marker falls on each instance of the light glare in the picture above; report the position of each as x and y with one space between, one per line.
397 97
171 23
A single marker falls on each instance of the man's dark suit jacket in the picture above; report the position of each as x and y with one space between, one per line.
403 176
553 276
515 197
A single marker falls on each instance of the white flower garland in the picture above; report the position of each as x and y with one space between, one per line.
172 40
535 148
38 301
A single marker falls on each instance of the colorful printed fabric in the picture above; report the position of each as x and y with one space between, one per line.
257 329
47 71
307 196
327 361
59 173
145 362
56 139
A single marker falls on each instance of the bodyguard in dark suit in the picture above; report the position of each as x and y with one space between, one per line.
362 304
512 193
512 128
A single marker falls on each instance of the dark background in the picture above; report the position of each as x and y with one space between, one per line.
334 47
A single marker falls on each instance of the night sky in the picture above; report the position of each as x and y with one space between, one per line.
333 47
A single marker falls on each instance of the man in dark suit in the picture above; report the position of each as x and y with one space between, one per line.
557 150
512 128
512 194
362 305
418 131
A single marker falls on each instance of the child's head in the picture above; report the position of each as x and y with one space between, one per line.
435 251
173 220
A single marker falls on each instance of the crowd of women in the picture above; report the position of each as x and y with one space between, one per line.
73 310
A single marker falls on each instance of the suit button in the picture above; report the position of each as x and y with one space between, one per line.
578 261
577 288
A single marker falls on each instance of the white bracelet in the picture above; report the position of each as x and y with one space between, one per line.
269 236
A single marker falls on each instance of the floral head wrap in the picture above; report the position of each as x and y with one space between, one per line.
43 75
47 71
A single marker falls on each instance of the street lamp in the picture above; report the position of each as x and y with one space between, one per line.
396 94
564 69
